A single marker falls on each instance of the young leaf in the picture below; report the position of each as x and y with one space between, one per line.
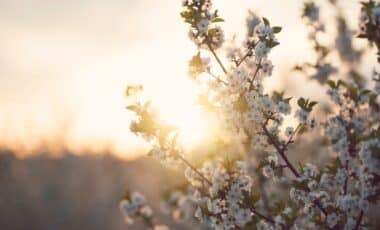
133 108
331 83
218 20
312 104
301 102
266 22
132 90
276 29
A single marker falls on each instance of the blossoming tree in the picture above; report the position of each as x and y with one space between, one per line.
225 189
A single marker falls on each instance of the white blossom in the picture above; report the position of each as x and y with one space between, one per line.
261 50
332 219
302 116
202 25
289 131
268 171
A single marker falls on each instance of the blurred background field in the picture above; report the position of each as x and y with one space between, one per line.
75 192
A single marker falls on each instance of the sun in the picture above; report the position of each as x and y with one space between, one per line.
194 124
191 124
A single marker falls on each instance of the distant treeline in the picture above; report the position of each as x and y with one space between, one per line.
73 192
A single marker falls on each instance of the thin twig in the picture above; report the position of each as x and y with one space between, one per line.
194 169
359 220
270 220
351 150
217 78
255 75
281 152
345 185
280 167
215 55
248 54
290 140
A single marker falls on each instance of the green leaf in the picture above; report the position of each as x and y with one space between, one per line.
277 96
133 90
303 129
301 165
298 68
187 16
354 94
255 197
300 185
205 103
218 20
271 43
279 207
196 65
276 29
241 104
331 83
266 22
134 108
147 104
366 91
301 102
126 195
150 153
287 100
340 82
312 104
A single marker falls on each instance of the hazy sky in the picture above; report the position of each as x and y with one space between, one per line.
64 65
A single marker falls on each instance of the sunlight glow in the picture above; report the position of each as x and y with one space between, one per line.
190 121
63 89
183 112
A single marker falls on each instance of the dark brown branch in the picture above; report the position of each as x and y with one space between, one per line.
262 216
345 185
290 140
281 152
359 220
280 167
257 70
254 75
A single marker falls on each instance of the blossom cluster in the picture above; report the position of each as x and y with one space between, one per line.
222 201
357 146
203 31
322 69
224 190
135 205
369 23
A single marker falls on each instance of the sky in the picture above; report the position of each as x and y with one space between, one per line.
64 67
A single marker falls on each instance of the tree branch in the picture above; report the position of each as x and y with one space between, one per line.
255 75
194 169
285 147
217 78
248 54
215 55
359 220
262 216
281 152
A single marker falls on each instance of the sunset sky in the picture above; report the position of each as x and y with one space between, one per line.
64 66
